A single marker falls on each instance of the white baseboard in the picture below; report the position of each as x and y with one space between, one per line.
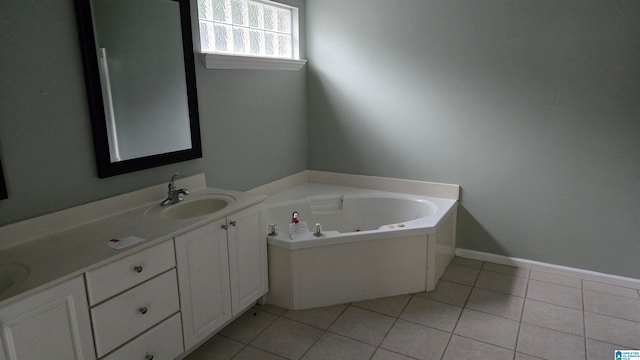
550 268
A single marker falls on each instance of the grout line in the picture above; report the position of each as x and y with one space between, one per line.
325 331
394 323
584 318
524 304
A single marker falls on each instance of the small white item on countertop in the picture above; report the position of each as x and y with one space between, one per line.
124 242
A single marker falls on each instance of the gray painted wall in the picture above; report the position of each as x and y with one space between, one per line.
533 106
254 127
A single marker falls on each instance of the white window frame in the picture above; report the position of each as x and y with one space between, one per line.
241 62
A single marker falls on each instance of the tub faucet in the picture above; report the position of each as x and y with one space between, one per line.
173 194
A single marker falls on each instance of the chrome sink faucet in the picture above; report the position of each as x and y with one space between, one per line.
173 194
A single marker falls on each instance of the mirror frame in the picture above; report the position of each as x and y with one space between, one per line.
105 167
3 185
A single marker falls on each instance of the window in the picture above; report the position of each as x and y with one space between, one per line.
258 34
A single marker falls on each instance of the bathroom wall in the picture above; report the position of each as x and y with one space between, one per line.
531 105
253 123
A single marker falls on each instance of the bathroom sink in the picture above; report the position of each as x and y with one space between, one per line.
192 207
12 274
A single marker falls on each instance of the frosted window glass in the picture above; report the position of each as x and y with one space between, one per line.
222 11
256 15
206 35
270 17
284 45
284 21
257 42
223 38
246 27
205 9
240 40
271 44
239 12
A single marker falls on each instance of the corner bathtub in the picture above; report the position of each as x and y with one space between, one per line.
373 244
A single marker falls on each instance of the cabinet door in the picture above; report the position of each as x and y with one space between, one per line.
203 280
247 258
53 324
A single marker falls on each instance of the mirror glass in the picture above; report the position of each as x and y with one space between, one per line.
138 58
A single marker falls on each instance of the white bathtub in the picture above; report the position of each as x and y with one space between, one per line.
373 244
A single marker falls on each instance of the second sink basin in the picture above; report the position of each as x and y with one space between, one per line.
193 206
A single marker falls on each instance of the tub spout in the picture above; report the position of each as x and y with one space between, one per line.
318 231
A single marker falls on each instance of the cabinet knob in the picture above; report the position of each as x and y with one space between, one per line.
138 269
148 357
224 227
233 223
143 310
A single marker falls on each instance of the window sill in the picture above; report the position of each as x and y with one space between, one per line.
217 61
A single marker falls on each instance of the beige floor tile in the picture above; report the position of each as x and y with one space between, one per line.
612 305
597 350
287 338
271 309
553 317
550 344
218 347
382 354
246 327
610 289
555 294
461 348
508 284
336 347
612 330
521 356
432 313
507 270
415 340
320 317
391 306
488 328
496 303
363 325
460 274
556 279
448 292
476 264
251 353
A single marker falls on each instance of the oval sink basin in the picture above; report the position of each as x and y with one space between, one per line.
195 208
12 274
192 207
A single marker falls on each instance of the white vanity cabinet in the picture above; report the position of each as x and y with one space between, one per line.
247 258
222 269
52 324
135 306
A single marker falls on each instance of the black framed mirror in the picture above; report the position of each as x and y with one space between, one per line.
3 186
141 85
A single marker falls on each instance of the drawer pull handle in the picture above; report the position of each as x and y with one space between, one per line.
224 227
143 310
148 357
138 269
233 223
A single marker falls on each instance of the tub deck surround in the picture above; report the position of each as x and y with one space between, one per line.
384 259
70 251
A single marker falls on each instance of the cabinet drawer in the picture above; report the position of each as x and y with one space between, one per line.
163 342
111 279
128 314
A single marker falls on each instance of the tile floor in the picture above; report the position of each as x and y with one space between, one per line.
478 311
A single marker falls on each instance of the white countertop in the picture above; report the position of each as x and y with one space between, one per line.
62 255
